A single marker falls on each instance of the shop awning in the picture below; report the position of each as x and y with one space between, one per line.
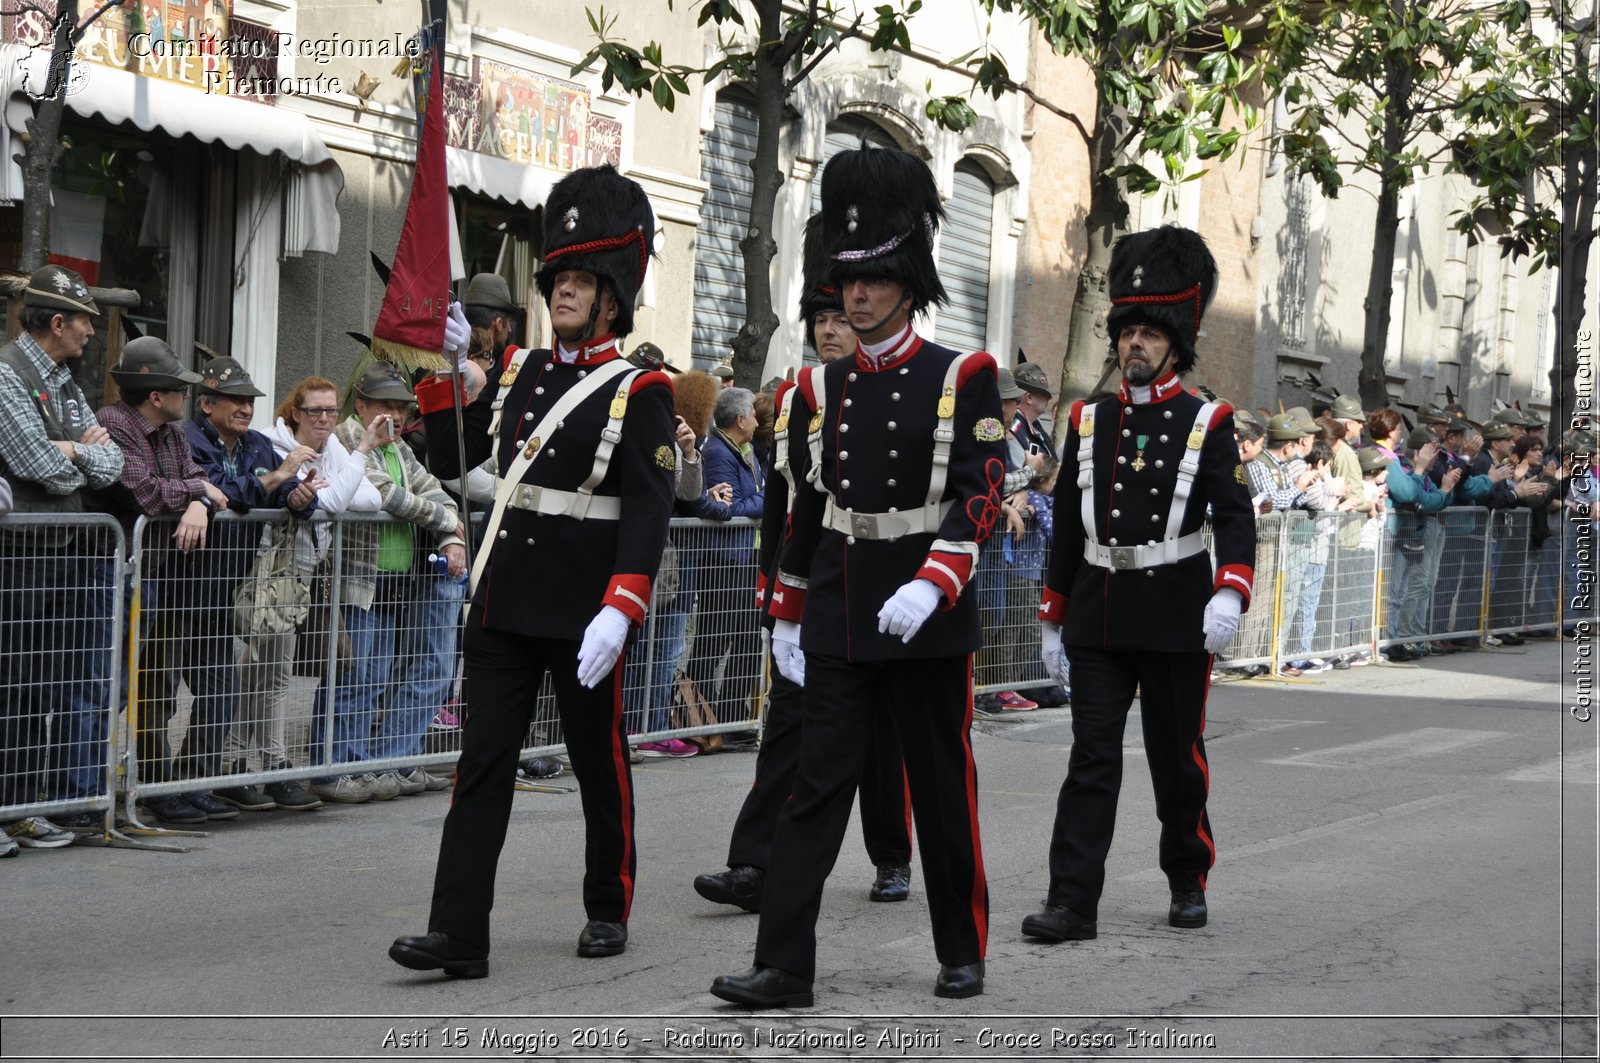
509 182
150 103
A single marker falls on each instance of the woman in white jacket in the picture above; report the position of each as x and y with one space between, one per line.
306 418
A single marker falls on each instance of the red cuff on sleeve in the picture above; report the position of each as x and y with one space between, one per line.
629 593
433 394
761 589
788 603
1240 578
950 572
1052 606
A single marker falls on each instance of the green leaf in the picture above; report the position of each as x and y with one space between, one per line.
664 96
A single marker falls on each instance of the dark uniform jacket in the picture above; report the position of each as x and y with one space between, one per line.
548 574
1161 607
438 410
877 456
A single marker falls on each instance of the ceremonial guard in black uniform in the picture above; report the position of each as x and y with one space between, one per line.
896 457
1130 592
583 452
885 814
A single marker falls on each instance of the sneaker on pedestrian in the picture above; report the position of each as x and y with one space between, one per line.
540 768
36 832
249 798
385 787
8 847
172 808
412 782
344 789
1010 699
985 704
1314 665
1290 670
448 717
435 783
670 747
292 797
1492 641
1343 662
214 808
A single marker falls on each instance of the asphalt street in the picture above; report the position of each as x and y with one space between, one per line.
1406 868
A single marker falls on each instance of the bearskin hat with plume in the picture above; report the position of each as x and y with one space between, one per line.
1165 278
598 221
880 210
817 292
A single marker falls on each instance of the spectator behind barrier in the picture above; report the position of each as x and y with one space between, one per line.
727 622
392 600
160 478
306 418
193 628
1413 498
55 594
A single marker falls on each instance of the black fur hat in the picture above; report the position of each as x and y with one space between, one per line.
817 292
1165 278
598 221
880 210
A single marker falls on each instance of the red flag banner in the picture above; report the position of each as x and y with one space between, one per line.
410 328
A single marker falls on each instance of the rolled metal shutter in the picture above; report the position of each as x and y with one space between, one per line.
724 217
964 261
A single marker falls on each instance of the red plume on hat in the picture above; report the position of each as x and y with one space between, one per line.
1166 278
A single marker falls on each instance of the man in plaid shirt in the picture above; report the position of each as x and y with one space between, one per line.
55 578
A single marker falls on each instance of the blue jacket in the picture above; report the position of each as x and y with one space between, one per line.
230 548
722 464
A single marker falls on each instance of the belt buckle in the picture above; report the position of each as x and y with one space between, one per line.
864 525
1122 557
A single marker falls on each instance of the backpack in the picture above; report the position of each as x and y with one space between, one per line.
272 599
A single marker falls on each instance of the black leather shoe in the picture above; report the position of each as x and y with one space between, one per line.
892 884
1188 909
740 886
437 952
963 981
1057 922
763 987
602 939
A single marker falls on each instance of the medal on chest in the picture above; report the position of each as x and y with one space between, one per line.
1138 463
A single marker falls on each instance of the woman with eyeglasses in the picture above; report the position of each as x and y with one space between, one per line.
306 418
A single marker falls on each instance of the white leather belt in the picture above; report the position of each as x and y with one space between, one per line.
552 503
883 525
1149 556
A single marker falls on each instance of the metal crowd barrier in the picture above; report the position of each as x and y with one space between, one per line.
60 628
130 669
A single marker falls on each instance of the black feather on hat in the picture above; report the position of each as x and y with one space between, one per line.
1164 278
880 210
598 221
817 292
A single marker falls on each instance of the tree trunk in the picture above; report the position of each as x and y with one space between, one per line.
1579 200
1083 368
1373 381
758 245
43 148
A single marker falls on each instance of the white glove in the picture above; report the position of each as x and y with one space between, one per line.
786 655
457 335
908 609
1221 622
1055 659
602 645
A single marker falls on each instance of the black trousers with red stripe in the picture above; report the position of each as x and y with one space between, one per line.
1172 690
930 701
885 811
504 672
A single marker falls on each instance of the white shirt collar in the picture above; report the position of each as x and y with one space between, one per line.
876 351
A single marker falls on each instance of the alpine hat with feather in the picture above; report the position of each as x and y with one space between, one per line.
599 222
1164 278
880 211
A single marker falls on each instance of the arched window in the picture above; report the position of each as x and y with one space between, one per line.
724 217
963 323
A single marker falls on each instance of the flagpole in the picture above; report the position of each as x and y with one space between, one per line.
461 455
